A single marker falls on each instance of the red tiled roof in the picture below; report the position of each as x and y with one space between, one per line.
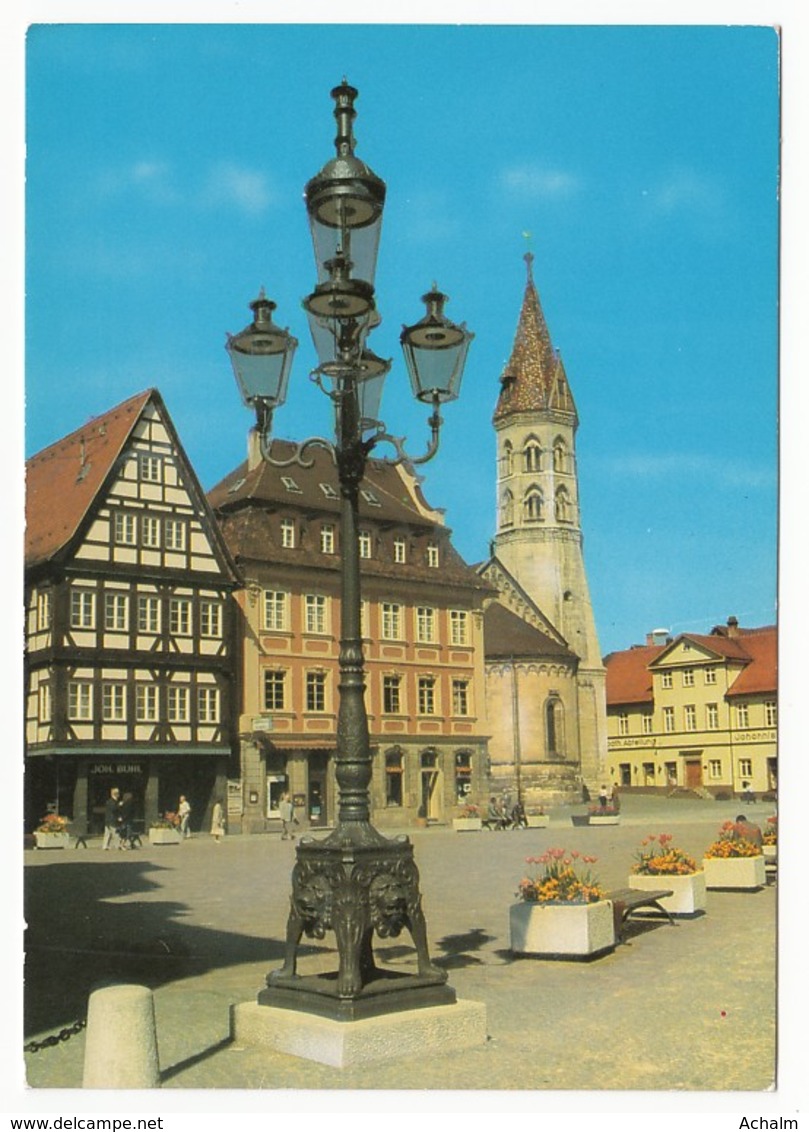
629 680
761 675
63 480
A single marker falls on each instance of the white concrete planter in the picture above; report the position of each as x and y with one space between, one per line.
574 930
538 821
689 891
51 840
770 852
734 872
165 837
604 819
467 825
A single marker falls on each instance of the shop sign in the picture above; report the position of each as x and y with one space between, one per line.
116 768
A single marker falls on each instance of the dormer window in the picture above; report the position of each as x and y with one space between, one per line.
369 497
288 534
432 555
290 484
329 491
399 550
365 544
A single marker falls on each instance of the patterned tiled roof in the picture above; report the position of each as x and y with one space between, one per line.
506 635
63 480
534 377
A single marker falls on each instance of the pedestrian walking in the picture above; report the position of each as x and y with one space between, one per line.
111 812
184 813
747 794
218 821
603 796
127 837
286 811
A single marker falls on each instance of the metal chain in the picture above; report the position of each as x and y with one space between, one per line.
54 1039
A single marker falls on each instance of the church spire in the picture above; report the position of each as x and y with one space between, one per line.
534 378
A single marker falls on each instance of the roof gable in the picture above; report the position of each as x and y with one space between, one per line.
514 597
64 480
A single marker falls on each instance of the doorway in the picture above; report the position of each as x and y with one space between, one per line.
430 801
693 773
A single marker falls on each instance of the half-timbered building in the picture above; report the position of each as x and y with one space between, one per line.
130 657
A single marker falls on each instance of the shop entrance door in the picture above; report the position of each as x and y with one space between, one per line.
693 773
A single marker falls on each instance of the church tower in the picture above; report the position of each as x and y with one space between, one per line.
539 535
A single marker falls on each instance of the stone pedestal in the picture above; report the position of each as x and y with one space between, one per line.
689 891
120 1051
451 1028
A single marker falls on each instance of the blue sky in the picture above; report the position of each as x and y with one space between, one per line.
164 186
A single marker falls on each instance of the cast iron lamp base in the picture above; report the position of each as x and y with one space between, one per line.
356 882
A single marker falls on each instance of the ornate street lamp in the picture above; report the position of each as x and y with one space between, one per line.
355 881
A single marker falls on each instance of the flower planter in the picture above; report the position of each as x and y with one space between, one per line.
605 819
51 840
467 825
562 930
537 821
688 888
770 852
734 872
165 837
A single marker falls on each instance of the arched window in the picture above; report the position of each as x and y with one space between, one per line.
533 505
506 459
554 728
506 509
563 507
560 460
463 775
532 455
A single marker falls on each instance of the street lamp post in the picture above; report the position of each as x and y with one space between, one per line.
355 881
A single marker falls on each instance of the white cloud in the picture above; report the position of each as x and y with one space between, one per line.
685 190
231 184
723 473
539 181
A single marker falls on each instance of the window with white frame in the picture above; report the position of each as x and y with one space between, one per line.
688 677
712 717
710 674
207 705
210 618
391 694
276 609
150 468
365 544
426 695
174 534
370 497
770 713
329 491
425 624
715 769
275 680
742 715
745 768
113 702
690 717
180 617
315 691
668 719
146 703
124 528
327 538
44 609
666 680
82 609
150 531
623 722
178 701
459 626
288 534
148 614
116 612
315 613
460 697
391 621
647 722
432 556
45 703
79 700
290 484
399 550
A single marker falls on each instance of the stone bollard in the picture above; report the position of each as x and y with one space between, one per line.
120 1049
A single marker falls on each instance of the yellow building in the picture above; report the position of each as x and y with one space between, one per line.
423 638
698 712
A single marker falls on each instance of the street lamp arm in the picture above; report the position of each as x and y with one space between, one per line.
398 442
298 456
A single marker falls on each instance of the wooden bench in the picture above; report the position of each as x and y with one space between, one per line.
625 901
